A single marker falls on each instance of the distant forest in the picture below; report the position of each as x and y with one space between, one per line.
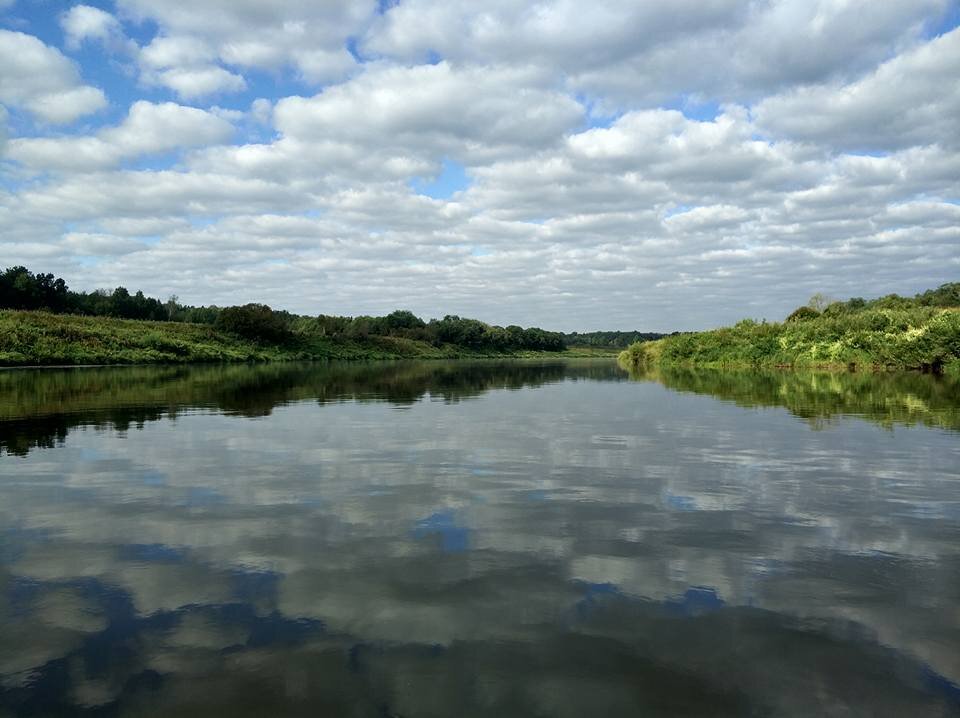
24 290
609 340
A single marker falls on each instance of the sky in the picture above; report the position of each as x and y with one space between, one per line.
575 166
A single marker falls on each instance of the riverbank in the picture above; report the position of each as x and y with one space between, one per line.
44 339
873 338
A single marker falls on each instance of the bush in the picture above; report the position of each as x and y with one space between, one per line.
803 313
255 321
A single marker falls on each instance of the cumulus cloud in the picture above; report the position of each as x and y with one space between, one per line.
475 112
309 37
40 79
649 52
83 22
148 129
912 99
606 166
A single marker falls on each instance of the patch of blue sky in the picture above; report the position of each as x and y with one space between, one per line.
453 178
113 74
384 6
116 74
479 251
595 116
868 153
694 108
199 221
354 49
677 209
949 20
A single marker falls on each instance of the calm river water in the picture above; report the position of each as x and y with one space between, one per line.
477 539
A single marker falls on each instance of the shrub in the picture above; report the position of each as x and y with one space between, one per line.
255 321
803 313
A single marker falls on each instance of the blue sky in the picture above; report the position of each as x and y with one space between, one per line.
611 166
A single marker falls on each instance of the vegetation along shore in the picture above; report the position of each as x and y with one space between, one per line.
43 322
892 332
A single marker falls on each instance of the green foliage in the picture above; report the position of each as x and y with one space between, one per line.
453 330
255 321
891 332
43 338
803 313
387 336
22 289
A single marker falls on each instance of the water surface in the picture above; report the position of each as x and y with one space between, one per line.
477 539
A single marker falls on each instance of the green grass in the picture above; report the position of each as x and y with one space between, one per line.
41 338
910 337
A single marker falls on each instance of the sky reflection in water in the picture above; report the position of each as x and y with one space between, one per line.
477 539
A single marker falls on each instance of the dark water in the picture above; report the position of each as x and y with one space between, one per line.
490 539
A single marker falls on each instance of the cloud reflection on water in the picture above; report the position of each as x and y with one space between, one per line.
578 545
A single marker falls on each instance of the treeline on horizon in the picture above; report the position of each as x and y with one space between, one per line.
21 289
609 340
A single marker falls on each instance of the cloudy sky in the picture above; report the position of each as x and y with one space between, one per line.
577 166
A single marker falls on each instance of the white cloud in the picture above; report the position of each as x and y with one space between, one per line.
99 245
469 112
194 82
646 52
650 219
167 52
307 36
912 99
83 22
187 66
40 79
148 129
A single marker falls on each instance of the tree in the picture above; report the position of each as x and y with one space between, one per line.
819 301
255 321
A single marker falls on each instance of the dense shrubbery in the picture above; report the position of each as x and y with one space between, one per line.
255 321
802 314
890 332
21 289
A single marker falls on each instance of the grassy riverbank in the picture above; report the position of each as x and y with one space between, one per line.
42 338
883 334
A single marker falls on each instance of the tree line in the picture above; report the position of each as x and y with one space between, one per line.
22 289
609 340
